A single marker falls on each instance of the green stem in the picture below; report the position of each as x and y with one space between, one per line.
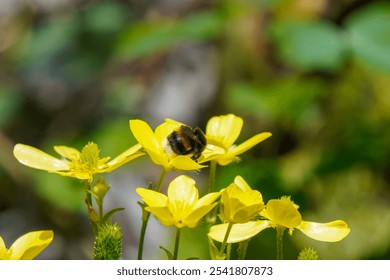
211 217
142 234
88 199
161 179
177 241
101 211
212 175
146 216
225 239
91 211
243 246
279 242
228 251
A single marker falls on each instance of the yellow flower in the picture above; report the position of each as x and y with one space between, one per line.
26 247
82 165
239 202
222 132
282 213
156 145
182 206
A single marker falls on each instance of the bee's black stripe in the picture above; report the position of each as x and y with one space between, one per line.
176 144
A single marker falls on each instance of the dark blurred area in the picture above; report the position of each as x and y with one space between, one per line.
316 74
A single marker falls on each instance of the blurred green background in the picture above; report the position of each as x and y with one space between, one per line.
314 73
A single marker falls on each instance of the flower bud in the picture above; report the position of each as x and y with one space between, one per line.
100 189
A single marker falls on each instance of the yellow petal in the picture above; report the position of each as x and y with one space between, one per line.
75 174
242 184
182 189
207 199
328 232
163 215
164 129
67 152
152 198
2 244
126 156
224 130
35 158
239 232
244 214
28 246
145 136
193 219
283 213
240 206
185 163
227 159
211 152
248 144
173 122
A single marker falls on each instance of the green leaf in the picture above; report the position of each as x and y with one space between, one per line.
10 103
65 193
146 38
48 39
293 95
105 17
309 45
214 251
169 254
110 213
369 31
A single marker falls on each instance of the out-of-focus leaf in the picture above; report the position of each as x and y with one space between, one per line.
369 31
309 45
105 17
146 38
9 104
65 193
50 38
288 99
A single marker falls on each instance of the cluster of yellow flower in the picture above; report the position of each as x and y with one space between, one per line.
243 213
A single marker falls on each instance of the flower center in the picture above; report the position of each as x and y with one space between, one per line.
90 155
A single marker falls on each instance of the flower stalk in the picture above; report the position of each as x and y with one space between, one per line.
225 239
146 216
279 242
177 241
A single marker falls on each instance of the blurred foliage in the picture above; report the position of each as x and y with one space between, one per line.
314 73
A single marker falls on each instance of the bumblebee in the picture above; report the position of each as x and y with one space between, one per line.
186 141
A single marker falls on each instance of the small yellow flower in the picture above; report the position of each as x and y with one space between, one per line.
222 132
182 206
82 165
26 247
155 144
283 213
239 203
